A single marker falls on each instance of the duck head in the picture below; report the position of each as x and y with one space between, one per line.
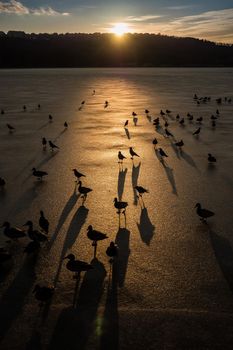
90 228
198 205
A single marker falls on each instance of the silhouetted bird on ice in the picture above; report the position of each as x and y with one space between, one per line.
50 118
77 266
44 142
126 123
95 236
197 131
39 174
83 190
162 153
120 206
132 153
203 213
2 182
121 157
35 235
77 174
155 142
66 125
10 127
180 143
211 159
168 133
12 232
52 146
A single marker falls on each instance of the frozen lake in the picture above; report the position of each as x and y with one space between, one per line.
173 282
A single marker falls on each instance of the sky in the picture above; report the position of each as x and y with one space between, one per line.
206 19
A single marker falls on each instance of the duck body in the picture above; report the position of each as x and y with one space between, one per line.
12 232
95 235
121 157
120 205
83 190
35 235
211 159
38 173
132 153
203 213
162 153
196 132
78 174
77 265
141 190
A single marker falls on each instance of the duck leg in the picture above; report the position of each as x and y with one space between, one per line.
78 278
95 248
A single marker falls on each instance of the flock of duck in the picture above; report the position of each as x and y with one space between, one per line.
38 237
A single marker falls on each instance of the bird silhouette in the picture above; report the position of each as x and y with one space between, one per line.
162 113
95 236
155 141
141 190
147 111
66 125
199 120
44 142
10 127
203 213
52 146
121 157
77 174
132 153
39 174
77 266
211 159
120 206
126 123
179 143
12 232
162 153
197 131
83 191
35 235
50 118
181 121
2 182
168 133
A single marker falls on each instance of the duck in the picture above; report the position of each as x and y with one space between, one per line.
38 106
213 117
156 121
43 222
181 121
77 174
190 117
155 141
77 266
196 132
50 118
106 104
39 174
121 157
179 143
168 133
177 116
4 256
167 111
10 127
211 159
147 111
126 123
199 120
42 293
24 108
83 190
83 102
65 125
112 251
12 232
166 124
162 153
44 142
132 153
162 113
95 236
134 114
203 213
120 205
141 190
2 111
52 145
35 235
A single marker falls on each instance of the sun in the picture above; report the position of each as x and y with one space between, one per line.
120 29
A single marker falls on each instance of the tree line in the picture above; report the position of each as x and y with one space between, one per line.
20 50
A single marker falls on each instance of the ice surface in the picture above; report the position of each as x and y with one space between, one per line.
174 274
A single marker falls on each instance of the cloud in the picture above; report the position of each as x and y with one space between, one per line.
142 18
17 8
211 25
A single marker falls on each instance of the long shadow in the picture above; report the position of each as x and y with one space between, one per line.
64 214
26 199
43 126
60 134
224 255
145 227
170 176
121 182
73 231
127 133
15 297
135 174
188 158
110 331
76 325
122 240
